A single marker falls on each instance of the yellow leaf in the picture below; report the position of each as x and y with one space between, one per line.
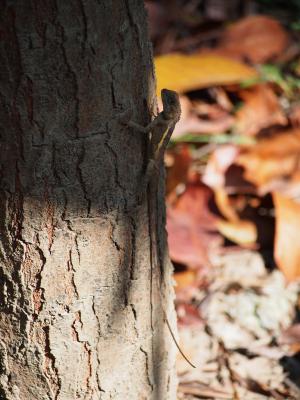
185 278
191 72
242 232
239 231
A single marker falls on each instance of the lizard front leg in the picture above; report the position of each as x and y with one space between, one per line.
126 119
152 164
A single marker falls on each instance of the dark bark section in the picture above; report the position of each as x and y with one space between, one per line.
78 316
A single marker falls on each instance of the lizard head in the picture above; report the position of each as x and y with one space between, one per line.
171 104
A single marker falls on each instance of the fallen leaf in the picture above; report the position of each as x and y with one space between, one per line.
272 159
242 232
235 229
185 278
207 110
191 227
286 248
188 314
249 317
290 335
222 98
224 206
205 391
189 122
294 115
178 161
190 72
218 163
193 124
261 109
257 38
265 371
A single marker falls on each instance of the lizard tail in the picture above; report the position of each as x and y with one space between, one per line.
176 343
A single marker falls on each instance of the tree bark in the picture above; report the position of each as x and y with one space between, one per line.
81 315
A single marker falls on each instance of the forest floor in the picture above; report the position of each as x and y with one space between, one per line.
233 192
242 344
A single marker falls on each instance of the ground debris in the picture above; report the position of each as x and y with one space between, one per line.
237 350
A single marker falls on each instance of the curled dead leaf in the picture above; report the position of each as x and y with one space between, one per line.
219 121
235 229
261 109
290 335
271 159
224 206
242 232
191 227
218 163
257 38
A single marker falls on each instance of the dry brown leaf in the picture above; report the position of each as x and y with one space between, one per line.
224 206
185 278
190 72
294 115
287 248
238 231
179 160
218 163
222 98
212 111
191 227
265 372
272 159
242 232
193 124
205 391
290 335
189 122
188 314
261 109
257 38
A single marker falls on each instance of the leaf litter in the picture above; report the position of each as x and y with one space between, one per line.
244 311
233 193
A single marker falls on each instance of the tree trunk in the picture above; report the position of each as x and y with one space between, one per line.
81 316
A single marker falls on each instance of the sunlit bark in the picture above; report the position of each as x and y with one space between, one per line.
81 317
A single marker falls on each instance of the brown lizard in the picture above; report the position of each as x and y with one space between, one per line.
160 130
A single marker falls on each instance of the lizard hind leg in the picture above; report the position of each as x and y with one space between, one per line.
152 169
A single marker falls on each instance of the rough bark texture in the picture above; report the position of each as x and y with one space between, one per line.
80 315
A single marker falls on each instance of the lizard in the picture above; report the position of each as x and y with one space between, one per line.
160 130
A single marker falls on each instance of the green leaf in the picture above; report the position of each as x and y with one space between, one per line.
220 138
